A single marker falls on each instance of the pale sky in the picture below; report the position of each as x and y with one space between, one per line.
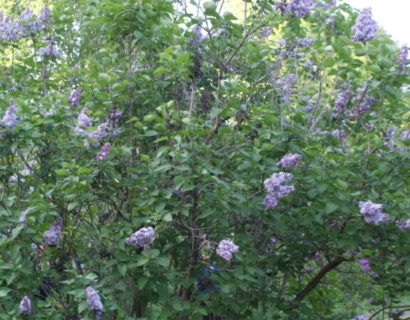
393 15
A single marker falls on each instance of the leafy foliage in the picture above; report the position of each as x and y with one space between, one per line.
159 123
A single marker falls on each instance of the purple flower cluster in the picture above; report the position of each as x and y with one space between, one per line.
105 150
338 134
372 212
74 98
143 237
286 86
403 60
363 102
304 42
403 225
226 248
289 160
266 31
299 7
341 101
199 35
50 51
362 317
9 119
93 299
52 237
365 27
308 270
25 306
276 188
27 24
114 117
22 218
328 5
365 263
83 119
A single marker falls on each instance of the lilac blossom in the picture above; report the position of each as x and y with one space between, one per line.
338 134
226 248
22 218
365 27
93 299
44 17
52 237
25 306
50 51
276 188
372 301
143 238
266 32
270 201
308 270
97 134
10 118
363 102
403 60
10 30
74 98
105 150
374 275
403 225
365 263
372 212
290 160
83 120
341 101
198 37
114 117
298 7
304 42
362 317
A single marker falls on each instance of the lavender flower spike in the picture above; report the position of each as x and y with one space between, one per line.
52 237
25 306
74 98
226 248
289 160
143 237
105 150
93 299
365 27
